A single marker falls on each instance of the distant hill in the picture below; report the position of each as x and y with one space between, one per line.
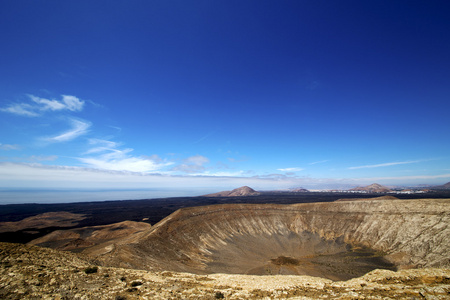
93 239
48 219
298 190
242 191
442 187
373 188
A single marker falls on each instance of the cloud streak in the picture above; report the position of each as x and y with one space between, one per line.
385 164
101 146
21 109
319 162
68 102
79 127
8 147
411 177
291 170
108 157
40 105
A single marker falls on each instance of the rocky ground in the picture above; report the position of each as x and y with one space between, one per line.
30 272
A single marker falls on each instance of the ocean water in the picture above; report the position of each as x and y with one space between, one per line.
68 196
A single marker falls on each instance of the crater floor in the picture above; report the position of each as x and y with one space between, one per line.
298 254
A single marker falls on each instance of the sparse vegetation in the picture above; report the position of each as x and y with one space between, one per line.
284 260
91 270
219 295
136 283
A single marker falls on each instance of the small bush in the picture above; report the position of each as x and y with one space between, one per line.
91 270
136 283
219 295
119 297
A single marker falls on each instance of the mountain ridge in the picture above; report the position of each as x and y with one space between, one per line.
445 186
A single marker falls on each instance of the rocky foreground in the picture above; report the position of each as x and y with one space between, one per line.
30 272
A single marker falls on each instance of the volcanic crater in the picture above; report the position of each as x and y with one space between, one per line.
338 241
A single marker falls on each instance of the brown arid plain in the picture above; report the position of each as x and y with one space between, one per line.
378 248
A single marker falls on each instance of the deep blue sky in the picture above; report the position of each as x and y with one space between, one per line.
272 94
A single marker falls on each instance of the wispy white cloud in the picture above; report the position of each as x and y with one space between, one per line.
386 164
404 178
274 176
203 138
319 162
101 145
40 105
45 104
8 147
68 102
291 169
79 127
72 103
108 157
239 173
116 128
122 163
21 109
193 164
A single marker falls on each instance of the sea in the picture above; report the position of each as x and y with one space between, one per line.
24 196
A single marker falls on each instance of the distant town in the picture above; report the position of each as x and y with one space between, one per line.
371 192
379 189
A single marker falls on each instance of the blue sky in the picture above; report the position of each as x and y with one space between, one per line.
208 95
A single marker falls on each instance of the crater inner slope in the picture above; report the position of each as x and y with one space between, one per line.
336 240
